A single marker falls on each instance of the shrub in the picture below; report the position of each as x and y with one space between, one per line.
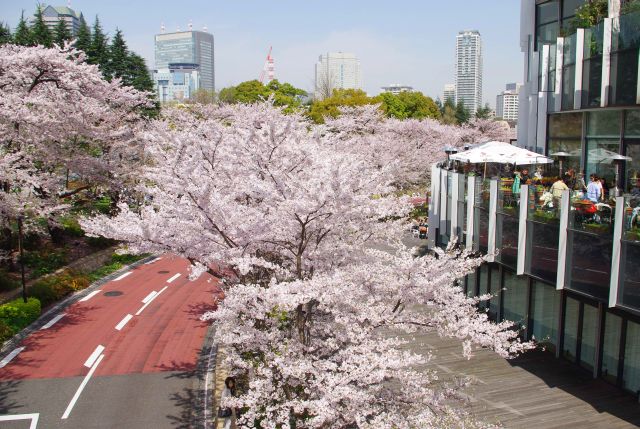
53 288
45 261
71 226
100 242
7 283
18 314
5 331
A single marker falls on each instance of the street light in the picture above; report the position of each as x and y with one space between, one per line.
449 150
561 156
618 160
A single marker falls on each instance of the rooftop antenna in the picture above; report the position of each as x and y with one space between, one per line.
204 28
162 27
190 26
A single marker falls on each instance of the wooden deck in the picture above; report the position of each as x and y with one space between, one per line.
535 390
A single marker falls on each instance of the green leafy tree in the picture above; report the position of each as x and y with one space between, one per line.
392 106
139 78
449 115
419 106
40 34
118 61
589 14
61 33
462 114
98 52
22 36
630 6
252 91
330 106
83 37
5 34
484 112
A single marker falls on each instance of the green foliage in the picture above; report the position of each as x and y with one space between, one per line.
117 65
448 113
61 33
45 261
341 97
253 91
71 226
53 288
7 283
98 52
139 74
5 331
484 112
588 15
83 37
40 34
22 36
408 105
5 34
630 6
462 114
16 315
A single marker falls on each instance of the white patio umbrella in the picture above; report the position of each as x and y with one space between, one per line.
501 153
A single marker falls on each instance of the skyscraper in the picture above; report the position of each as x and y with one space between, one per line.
52 14
188 47
468 70
337 70
449 93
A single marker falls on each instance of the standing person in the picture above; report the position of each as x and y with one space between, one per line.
557 188
515 188
594 189
604 187
524 176
570 178
229 391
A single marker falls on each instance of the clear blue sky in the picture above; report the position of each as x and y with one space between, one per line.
402 41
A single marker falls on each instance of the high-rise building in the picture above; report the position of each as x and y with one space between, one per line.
507 102
178 82
468 70
53 14
396 88
337 70
188 47
449 93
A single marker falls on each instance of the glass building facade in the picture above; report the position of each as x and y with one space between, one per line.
565 269
187 47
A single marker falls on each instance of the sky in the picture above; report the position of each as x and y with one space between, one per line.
406 42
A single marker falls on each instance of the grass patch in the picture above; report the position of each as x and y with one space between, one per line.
117 262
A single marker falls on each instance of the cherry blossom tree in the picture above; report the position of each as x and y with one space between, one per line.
58 116
311 316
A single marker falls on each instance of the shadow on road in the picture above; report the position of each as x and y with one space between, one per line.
8 389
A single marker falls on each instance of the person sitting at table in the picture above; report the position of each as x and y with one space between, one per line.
594 189
557 188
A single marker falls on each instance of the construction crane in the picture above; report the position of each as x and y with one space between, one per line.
269 69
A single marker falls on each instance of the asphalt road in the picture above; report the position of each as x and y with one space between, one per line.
131 355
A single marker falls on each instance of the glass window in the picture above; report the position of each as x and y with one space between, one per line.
544 310
484 283
565 125
604 124
599 153
611 347
471 284
632 173
515 298
589 336
631 372
546 23
494 304
572 147
547 12
569 8
571 329
632 124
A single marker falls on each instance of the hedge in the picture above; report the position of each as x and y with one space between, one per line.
16 315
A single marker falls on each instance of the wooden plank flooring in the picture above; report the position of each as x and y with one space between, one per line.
535 390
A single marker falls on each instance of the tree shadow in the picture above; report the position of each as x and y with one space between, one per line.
570 378
7 390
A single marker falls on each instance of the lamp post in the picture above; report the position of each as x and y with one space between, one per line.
449 150
618 160
561 156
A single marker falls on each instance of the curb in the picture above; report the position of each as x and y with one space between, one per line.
71 299
206 369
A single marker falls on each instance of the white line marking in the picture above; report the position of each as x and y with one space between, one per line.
81 388
120 277
173 278
152 261
91 295
150 300
10 356
53 321
94 356
33 417
148 297
123 322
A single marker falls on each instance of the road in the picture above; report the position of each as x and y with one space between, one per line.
129 355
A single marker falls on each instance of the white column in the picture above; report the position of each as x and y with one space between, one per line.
638 81
443 201
614 8
616 253
434 207
543 94
559 63
577 97
493 208
606 63
522 229
455 194
562 239
471 198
